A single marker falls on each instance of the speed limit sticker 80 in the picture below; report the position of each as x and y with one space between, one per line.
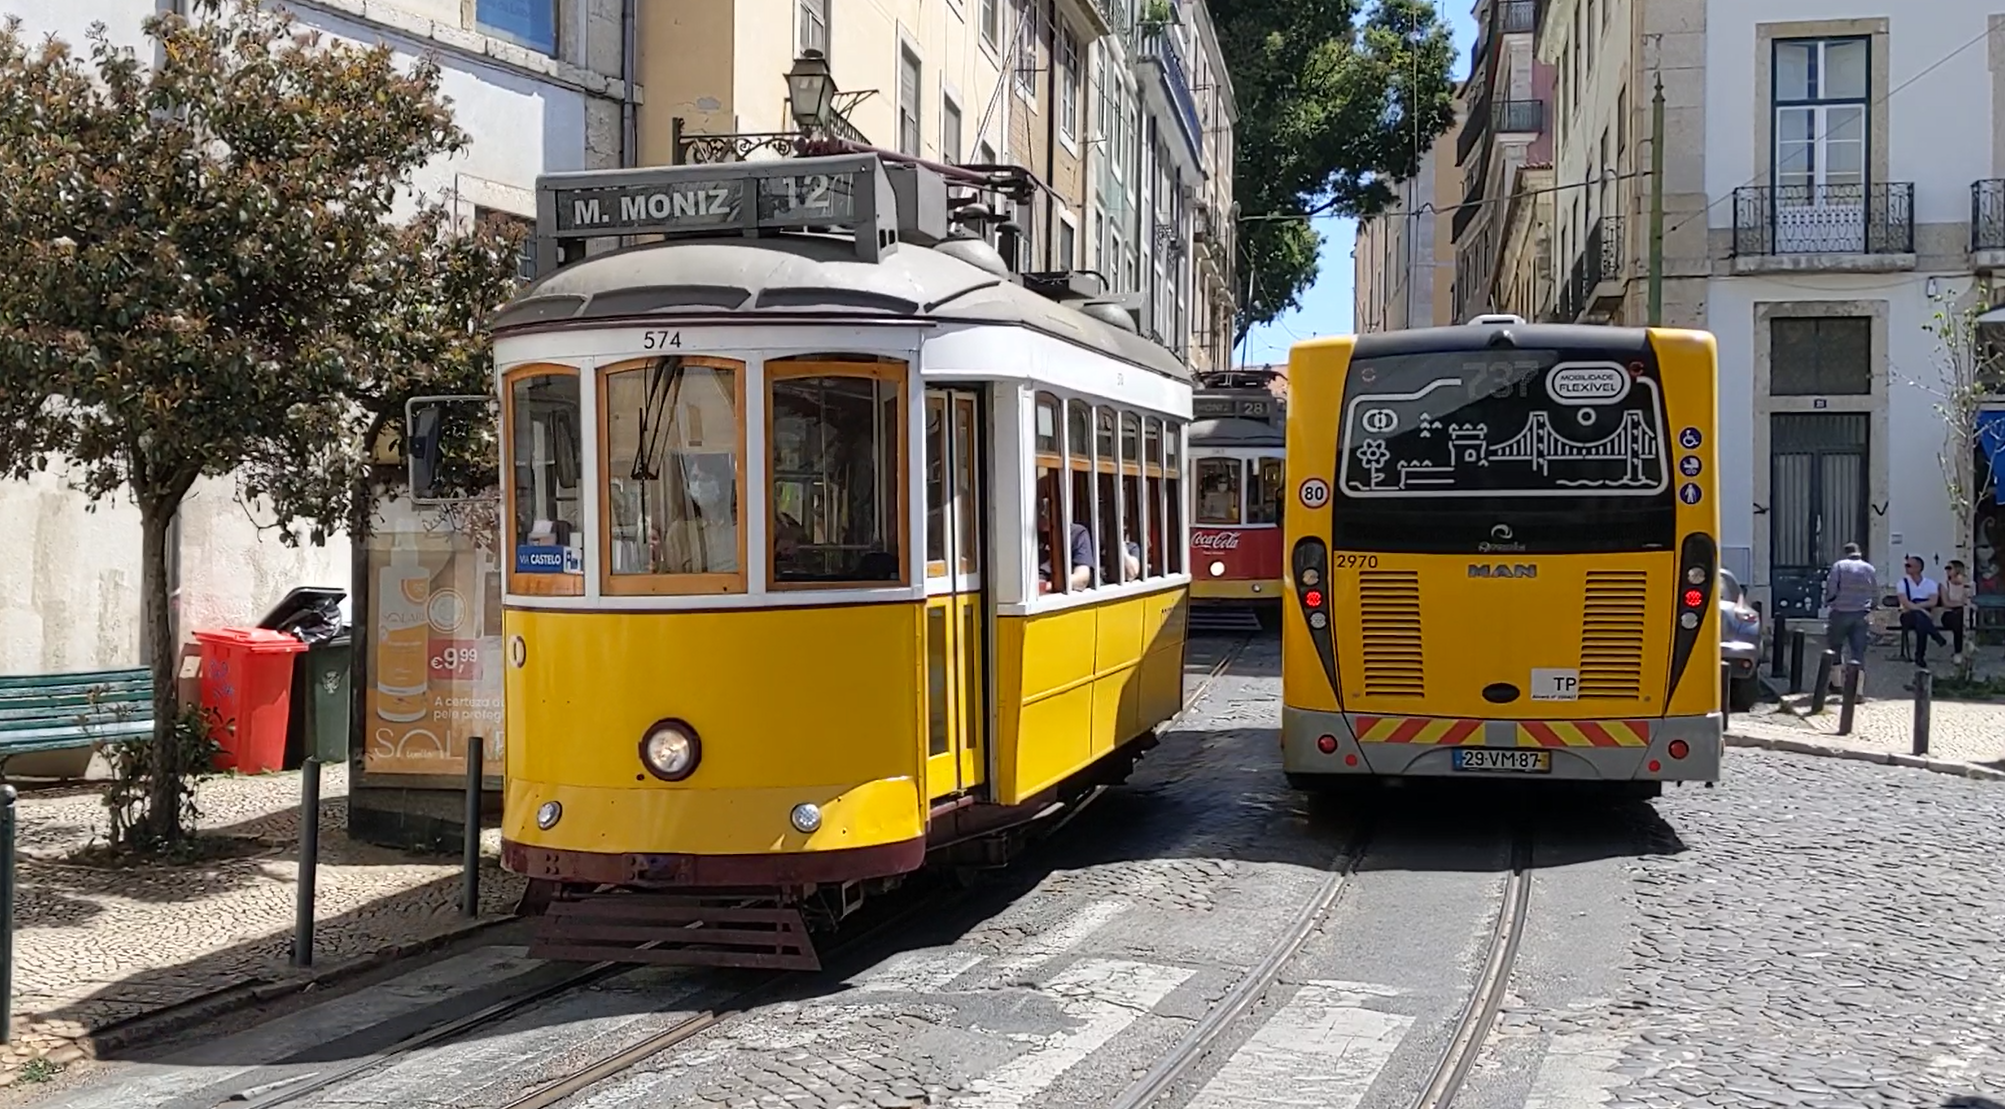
1315 493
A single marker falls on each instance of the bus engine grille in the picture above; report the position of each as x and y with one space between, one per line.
1389 620
1611 634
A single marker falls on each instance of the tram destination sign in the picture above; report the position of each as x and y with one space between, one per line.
1219 408
848 191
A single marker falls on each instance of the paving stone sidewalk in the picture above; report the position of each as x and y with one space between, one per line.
1883 720
95 947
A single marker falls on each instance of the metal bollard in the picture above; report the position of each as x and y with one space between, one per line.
1924 692
470 902
7 798
309 862
1796 662
1849 699
1821 689
1777 661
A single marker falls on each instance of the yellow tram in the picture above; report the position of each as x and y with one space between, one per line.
839 549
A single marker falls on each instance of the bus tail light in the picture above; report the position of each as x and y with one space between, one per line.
1698 576
1310 566
1327 744
1678 748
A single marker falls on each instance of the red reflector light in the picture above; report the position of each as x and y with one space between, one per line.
1327 745
1350 760
1313 598
1693 598
1679 748
1655 766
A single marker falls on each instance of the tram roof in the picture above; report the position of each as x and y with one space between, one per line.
791 275
1235 432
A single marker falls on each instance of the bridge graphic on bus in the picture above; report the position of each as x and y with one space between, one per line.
1393 453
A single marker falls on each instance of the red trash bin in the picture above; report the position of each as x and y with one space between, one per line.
247 685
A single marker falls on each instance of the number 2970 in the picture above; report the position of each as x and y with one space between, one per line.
1353 562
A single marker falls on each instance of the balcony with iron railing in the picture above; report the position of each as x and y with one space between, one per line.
1518 17
1600 260
1851 227
1159 47
1987 219
1518 117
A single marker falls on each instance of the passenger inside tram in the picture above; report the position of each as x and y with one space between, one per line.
1081 553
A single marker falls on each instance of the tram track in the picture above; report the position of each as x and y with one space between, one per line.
1473 1025
846 955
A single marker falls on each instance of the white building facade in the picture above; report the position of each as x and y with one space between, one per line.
1852 160
536 83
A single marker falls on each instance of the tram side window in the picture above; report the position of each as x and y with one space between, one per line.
1218 490
1058 568
1079 457
1107 486
674 437
1133 519
1263 491
836 476
548 515
1173 494
1152 470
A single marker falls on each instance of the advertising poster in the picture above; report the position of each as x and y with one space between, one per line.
434 641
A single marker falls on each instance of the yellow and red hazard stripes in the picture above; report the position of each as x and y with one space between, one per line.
1583 733
1434 730
1449 732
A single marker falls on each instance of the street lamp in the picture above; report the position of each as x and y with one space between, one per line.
810 88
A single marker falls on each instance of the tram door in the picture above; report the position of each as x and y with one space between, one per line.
956 708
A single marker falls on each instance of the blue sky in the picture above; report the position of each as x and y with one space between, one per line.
1326 306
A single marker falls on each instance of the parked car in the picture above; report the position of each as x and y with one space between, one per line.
1742 638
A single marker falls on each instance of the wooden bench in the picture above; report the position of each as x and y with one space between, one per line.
60 712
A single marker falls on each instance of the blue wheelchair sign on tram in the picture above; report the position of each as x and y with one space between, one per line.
1690 438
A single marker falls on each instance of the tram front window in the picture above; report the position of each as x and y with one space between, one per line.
546 513
1263 492
836 476
1218 491
673 449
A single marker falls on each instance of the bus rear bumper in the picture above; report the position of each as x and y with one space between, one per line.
1613 750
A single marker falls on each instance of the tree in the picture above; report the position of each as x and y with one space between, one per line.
418 333
1970 365
179 247
1332 112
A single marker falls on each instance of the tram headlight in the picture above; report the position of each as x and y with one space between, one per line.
1217 569
806 817
548 814
670 750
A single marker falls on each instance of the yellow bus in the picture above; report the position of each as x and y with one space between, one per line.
1503 554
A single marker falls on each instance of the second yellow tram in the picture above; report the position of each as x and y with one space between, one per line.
837 551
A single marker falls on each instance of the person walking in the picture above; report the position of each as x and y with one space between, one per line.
1850 590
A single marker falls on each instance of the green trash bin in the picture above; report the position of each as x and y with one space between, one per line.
328 669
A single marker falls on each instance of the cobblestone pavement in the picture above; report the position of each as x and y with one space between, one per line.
1814 932
1968 731
97 946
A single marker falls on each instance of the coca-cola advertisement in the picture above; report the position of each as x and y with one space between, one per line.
1246 553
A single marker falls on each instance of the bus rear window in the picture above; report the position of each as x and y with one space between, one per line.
1504 450
1502 423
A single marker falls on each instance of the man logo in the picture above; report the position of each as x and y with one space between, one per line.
1500 570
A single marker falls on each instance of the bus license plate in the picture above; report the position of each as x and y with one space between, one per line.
1503 759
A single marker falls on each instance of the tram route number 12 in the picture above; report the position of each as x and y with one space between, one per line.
811 192
661 340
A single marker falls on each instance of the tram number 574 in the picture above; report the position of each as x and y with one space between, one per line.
661 340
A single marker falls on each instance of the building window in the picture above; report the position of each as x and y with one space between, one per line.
1025 54
812 16
992 24
1820 118
1820 356
985 153
1068 244
908 102
530 23
1022 215
1068 84
525 259
950 130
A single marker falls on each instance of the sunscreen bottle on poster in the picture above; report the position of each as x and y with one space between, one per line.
403 591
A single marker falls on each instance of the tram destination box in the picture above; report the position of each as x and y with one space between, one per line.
851 191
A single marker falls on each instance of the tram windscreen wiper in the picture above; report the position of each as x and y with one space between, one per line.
662 389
